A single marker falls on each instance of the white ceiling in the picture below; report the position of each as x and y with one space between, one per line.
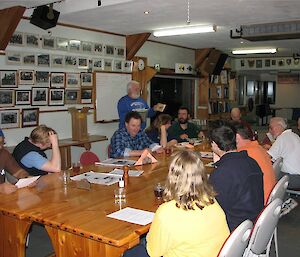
127 17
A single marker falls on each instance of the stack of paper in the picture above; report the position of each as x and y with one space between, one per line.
131 173
132 215
116 162
98 178
206 155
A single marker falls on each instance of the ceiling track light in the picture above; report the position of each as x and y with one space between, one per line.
255 51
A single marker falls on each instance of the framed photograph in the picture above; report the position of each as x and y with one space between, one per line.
17 39
251 63
62 44
49 43
74 45
57 61
86 79
32 40
109 50
56 96
258 63
57 79
98 48
42 78
281 63
83 62
273 62
73 80
29 59
13 58
86 96
87 47
107 65
30 117
288 61
117 65
120 52
128 65
98 64
26 77
242 63
39 96
72 96
267 62
71 61
43 60
7 97
23 97
8 78
9 118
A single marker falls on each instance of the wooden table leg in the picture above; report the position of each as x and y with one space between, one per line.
66 244
13 236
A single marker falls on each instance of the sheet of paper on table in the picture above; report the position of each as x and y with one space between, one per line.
206 154
98 178
131 173
116 162
132 215
24 182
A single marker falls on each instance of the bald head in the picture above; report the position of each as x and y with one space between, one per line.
235 114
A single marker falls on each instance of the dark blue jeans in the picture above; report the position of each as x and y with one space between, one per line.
139 250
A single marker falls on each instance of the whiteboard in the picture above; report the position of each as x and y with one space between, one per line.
109 88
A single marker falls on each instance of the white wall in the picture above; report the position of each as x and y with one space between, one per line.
61 121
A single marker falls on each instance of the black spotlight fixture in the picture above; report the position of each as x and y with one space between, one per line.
44 17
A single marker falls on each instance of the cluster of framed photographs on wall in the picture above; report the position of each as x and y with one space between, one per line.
63 44
67 61
15 118
269 63
48 88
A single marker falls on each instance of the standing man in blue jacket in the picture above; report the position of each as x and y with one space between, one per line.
133 102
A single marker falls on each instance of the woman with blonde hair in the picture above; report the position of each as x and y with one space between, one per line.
158 133
190 222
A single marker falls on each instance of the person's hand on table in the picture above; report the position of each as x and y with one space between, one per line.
7 188
184 136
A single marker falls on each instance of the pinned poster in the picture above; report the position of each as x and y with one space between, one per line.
145 158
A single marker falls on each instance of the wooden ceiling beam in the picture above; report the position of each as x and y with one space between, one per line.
200 56
9 20
134 43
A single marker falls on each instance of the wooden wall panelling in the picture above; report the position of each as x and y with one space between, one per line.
134 43
9 20
142 76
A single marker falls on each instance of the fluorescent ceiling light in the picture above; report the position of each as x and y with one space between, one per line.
255 51
188 29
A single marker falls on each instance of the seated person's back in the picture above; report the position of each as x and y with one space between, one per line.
237 179
30 153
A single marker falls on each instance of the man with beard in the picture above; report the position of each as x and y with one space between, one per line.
182 130
133 102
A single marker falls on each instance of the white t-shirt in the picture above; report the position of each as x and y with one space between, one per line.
287 146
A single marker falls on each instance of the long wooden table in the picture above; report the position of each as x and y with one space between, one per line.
75 219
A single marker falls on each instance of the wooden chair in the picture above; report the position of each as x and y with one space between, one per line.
236 243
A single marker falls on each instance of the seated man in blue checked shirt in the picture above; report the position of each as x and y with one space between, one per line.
131 140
